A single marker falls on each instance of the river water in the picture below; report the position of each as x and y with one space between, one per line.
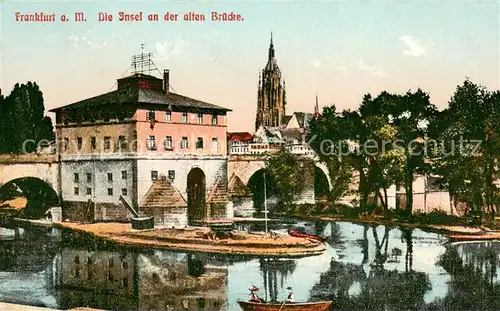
364 268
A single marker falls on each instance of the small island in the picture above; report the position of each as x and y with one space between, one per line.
200 239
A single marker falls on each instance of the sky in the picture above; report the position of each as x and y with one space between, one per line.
339 50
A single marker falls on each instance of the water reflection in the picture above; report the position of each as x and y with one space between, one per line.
365 267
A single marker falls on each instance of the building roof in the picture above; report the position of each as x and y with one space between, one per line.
163 194
239 136
141 96
219 192
286 119
236 187
290 135
303 118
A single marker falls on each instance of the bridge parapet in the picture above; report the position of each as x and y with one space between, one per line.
27 158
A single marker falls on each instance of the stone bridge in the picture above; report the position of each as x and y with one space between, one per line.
44 169
246 166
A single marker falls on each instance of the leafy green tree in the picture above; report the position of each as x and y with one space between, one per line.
470 135
411 114
291 174
324 136
23 119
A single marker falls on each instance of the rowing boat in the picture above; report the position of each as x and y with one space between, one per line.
308 236
290 306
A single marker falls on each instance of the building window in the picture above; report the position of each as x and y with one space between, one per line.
124 191
168 116
151 143
89 177
66 144
76 191
107 143
76 177
184 143
184 117
150 115
89 191
215 145
93 142
110 191
79 143
199 143
154 175
214 120
200 118
110 176
171 174
167 144
124 174
122 142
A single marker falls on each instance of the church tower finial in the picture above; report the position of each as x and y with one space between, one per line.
271 47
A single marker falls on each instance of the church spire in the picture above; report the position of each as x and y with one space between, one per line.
316 108
271 47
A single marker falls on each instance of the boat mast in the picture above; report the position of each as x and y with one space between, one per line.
265 201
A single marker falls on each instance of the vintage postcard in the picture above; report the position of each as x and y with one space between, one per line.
249 155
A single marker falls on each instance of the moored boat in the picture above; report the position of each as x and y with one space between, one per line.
290 306
308 236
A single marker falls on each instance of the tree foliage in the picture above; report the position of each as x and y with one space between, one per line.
291 174
22 119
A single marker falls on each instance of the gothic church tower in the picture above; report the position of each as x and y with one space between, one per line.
271 95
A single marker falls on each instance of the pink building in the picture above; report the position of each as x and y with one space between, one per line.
123 142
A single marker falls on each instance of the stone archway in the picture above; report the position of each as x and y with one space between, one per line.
321 184
40 196
196 187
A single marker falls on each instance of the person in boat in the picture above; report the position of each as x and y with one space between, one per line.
253 296
291 296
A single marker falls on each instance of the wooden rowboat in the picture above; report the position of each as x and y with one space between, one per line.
308 236
290 306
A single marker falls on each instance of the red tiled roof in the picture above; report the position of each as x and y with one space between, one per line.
240 136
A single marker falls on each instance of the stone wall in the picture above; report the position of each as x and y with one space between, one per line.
181 166
168 217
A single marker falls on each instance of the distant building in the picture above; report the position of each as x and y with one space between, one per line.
271 94
121 142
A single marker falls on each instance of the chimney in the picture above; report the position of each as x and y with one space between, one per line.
166 81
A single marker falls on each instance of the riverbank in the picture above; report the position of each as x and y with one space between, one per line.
195 239
453 232
17 307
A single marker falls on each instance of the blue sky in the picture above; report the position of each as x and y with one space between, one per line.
340 50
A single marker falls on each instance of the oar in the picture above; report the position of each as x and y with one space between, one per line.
282 305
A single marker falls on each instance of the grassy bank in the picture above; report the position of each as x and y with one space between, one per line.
436 221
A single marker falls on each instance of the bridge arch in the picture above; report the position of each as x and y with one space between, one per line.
39 194
256 184
196 189
324 169
321 184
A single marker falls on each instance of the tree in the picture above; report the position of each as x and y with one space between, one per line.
411 116
323 134
291 174
23 119
470 136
